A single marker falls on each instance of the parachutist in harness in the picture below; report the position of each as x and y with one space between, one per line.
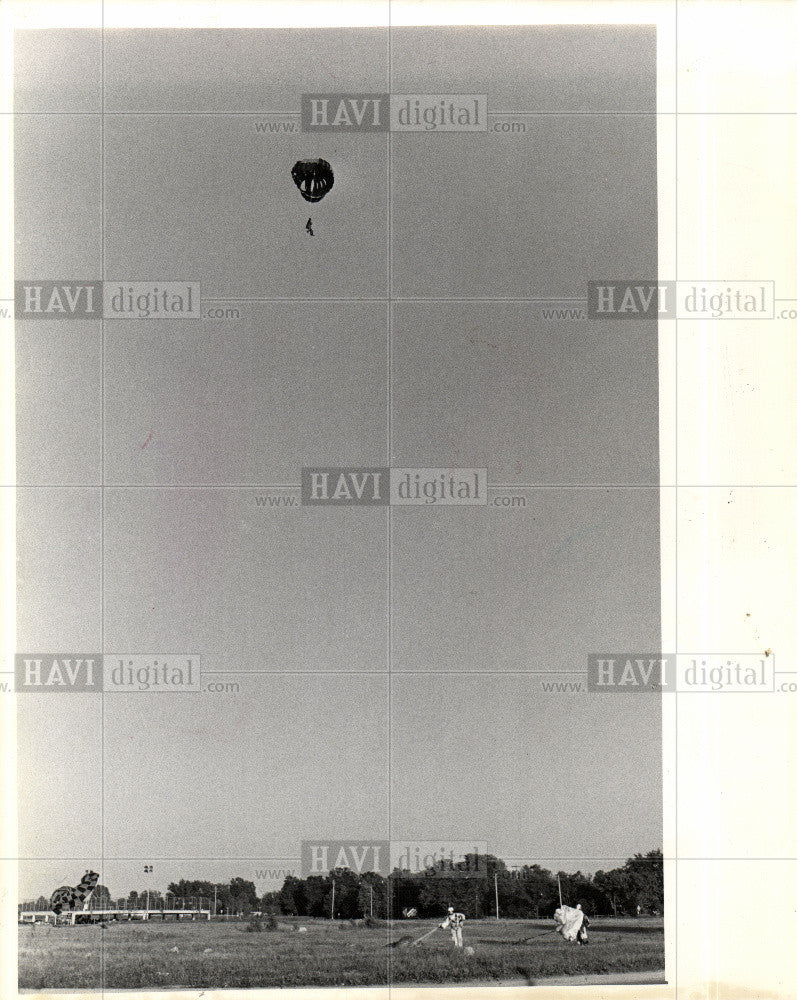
309 227
455 921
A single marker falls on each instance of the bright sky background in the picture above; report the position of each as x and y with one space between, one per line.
216 785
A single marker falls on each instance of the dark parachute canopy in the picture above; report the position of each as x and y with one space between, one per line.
314 178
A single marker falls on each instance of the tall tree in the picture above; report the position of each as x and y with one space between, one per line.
646 880
100 898
243 895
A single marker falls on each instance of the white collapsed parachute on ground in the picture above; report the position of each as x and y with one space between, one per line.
572 923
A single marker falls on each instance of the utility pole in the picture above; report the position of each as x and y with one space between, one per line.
372 901
495 876
332 916
147 871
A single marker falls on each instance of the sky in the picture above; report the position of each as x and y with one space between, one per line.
390 664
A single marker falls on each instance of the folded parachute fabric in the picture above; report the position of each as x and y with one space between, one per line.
569 921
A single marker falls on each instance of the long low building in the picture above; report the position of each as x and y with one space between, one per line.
98 916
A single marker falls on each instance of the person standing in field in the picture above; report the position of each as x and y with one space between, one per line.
455 921
582 937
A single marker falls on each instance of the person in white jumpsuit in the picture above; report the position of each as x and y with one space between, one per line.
455 921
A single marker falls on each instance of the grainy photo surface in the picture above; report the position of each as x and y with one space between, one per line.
339 644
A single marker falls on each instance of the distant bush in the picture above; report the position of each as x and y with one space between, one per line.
259 924
373 922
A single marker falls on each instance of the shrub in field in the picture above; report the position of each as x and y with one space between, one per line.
373 922
268 923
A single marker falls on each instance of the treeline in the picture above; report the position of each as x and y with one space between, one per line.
471 886
236 897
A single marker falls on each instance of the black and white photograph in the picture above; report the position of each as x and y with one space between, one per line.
370 495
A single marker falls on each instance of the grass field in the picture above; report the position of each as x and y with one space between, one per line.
209 954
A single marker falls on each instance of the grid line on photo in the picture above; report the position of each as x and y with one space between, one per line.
102 468
519 858
389 415
490 486
490 114
675 606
